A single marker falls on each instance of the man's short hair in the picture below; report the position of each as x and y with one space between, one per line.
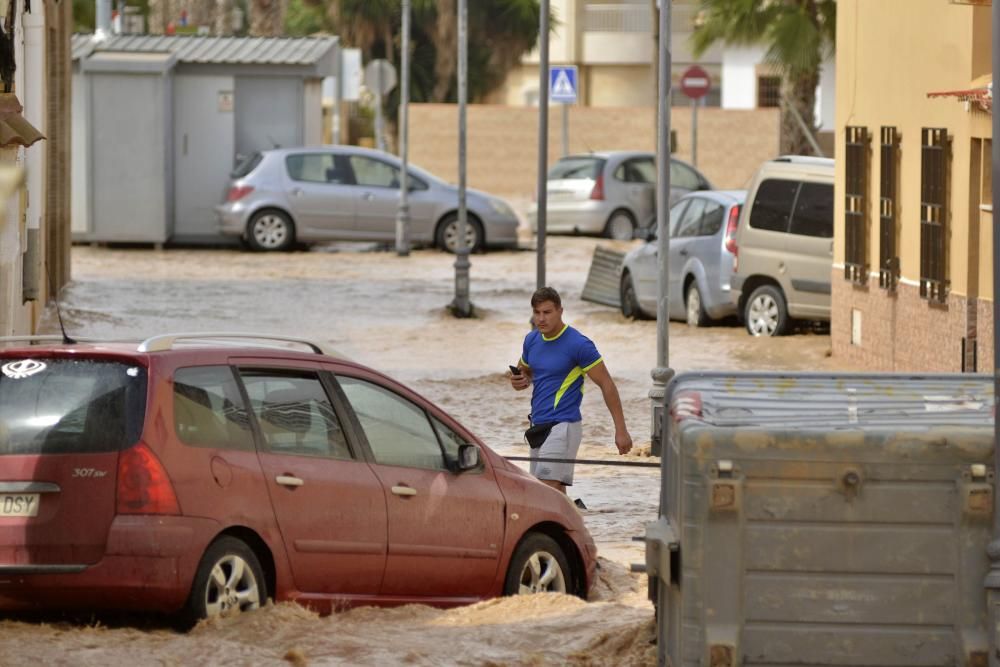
543 294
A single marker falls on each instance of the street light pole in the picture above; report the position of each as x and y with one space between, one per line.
662 373
462 307
543 140
403 217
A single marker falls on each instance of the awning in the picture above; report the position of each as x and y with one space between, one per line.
979 92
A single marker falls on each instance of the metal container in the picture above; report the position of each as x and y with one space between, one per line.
823 520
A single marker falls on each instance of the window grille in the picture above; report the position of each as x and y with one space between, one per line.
888 275
856 205
935 151
768 91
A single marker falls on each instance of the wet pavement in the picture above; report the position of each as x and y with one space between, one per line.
391 313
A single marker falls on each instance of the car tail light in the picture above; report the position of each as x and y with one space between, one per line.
686 405
734 221
143 485
598 191
238 192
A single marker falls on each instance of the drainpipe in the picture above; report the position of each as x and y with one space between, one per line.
992 583
33 98
102 27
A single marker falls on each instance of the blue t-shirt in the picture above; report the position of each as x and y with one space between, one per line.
558 365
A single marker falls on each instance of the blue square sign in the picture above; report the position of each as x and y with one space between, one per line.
562 83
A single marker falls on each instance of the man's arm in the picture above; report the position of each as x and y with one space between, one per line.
522 380
599 374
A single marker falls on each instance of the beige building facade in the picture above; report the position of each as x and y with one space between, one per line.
611 43
912 271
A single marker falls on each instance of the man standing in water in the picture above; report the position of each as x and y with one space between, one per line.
555 359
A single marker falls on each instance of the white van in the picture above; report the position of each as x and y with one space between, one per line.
784 246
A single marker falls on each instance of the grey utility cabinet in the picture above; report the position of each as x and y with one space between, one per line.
160 121
824 520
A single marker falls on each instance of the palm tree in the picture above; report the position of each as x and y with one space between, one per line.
798 35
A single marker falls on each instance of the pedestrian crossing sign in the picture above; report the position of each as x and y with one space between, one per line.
562 83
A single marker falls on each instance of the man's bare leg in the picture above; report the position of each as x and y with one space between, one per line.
558 486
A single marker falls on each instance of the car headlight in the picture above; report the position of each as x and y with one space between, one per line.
500 207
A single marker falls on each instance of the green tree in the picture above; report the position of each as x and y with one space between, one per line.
798 36
500 33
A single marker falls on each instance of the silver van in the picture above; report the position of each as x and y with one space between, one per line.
784 246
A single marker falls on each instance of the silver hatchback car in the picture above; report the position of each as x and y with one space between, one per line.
611 193
702 244
284 196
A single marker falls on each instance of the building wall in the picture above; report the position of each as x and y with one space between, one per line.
502 148
890 55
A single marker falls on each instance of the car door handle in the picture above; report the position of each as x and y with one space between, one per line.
683 253
288 480
297 192
403 490
368 196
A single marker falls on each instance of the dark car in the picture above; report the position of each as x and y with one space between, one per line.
187 476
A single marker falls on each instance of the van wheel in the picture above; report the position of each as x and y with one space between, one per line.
766 313
620 226
629 301
696 315
229 580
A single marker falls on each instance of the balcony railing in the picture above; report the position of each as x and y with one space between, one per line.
618 18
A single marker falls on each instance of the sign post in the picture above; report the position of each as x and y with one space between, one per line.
380 78
563 89
695 83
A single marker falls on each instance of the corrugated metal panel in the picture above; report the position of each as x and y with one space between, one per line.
834 402
216 50
602 280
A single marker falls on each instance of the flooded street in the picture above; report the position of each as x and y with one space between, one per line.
390 313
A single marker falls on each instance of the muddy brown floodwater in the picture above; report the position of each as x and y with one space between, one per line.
390 313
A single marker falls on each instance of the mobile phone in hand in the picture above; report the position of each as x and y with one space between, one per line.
514 369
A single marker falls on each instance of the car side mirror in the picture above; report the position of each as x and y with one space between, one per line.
468 457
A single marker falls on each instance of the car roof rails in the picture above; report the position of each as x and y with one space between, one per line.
164 342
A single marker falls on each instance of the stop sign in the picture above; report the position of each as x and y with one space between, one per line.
695 82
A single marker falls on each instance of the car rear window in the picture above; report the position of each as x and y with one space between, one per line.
246 166
814 211
70 406
772 205
576 168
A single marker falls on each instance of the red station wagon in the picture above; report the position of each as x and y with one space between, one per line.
192 476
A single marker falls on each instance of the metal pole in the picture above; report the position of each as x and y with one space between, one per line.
403 218
462 307
379 129
694 132
992 582
662 373
543 139
565 129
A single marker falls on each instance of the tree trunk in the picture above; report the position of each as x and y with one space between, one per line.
267 17
798 94
446 46
223 23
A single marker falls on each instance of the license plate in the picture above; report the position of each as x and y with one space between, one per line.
18 504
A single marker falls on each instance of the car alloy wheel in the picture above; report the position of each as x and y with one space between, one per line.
449 235
620 227
765 312
538 566
696 316
270 230
629 301
229 580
